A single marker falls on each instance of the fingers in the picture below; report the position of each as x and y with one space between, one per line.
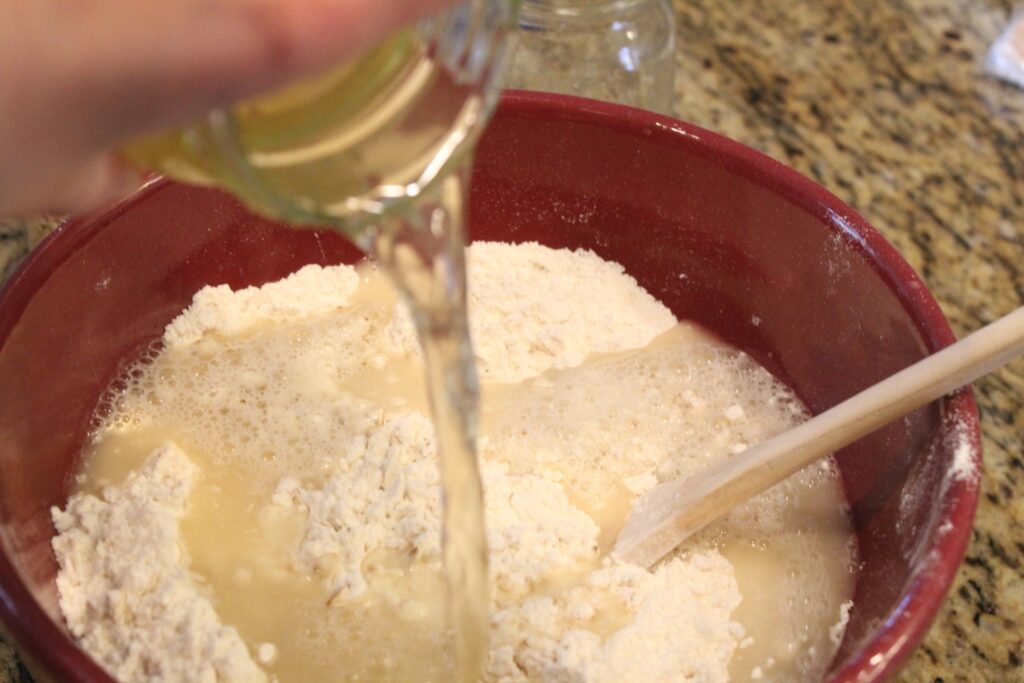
292 37
100 181
74 188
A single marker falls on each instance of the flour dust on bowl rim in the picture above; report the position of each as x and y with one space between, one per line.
722 235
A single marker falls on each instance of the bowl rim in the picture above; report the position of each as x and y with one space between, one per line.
881 655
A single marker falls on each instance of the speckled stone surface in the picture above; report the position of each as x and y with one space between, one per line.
885 103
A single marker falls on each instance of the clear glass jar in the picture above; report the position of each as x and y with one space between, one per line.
615 50
351 145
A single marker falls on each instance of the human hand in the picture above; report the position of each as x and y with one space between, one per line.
79 76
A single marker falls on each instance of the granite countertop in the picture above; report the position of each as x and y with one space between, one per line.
885 103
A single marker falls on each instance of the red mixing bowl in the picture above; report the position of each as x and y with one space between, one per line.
721 234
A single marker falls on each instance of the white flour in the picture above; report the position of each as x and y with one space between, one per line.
309 291
680 627
390 498
297 384
534 308
125 590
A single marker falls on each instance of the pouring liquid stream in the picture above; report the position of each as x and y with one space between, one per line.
423 252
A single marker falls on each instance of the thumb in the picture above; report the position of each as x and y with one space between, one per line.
74 188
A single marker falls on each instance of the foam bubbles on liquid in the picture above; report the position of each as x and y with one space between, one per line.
247 401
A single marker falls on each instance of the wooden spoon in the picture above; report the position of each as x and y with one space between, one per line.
666 515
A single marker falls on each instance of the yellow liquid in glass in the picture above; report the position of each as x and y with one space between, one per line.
334 149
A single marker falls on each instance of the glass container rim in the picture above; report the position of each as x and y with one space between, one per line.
576 8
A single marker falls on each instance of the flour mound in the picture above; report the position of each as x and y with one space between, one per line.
386 495
678 629
533 531
125 592
309 291
588 305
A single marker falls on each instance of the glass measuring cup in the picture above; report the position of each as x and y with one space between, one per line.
346 147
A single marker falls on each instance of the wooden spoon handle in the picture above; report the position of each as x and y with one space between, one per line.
665 516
